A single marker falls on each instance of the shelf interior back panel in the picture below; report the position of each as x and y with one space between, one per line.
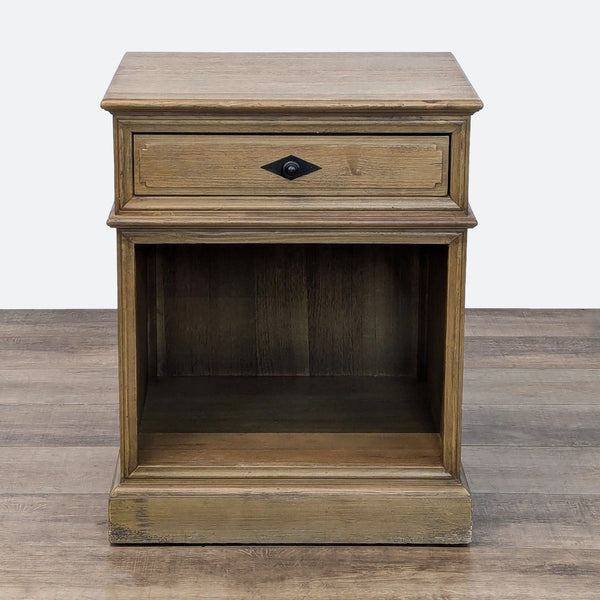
284 309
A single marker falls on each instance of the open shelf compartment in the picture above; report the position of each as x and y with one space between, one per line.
315 356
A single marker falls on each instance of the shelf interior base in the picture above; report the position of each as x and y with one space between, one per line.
340 422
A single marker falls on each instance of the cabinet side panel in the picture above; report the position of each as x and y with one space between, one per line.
433 322
459 164
151 310
141 326
454 350
132 350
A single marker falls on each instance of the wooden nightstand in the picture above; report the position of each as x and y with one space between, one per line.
291 235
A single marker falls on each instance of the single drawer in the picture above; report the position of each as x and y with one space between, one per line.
233 165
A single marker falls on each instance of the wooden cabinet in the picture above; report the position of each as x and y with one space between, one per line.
291 232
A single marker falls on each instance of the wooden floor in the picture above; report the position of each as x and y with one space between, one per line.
531 453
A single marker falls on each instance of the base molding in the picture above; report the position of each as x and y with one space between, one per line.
335 511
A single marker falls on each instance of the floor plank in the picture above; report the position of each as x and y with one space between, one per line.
536 521
53 519
84 424
104 319
520 470
490 322
68 571
59 385
56 469
541 426
532 352
531 387
27 360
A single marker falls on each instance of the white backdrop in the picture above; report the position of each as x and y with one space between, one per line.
535 158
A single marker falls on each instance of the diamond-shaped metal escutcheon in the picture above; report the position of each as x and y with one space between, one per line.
291 167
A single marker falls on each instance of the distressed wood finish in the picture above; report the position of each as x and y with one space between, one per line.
278 404
418 82
450 195
332 226
222 165
290 352
278 510
287 309
301 454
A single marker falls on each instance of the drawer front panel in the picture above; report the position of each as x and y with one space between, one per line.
231 165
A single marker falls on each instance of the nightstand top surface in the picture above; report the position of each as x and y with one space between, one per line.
408 82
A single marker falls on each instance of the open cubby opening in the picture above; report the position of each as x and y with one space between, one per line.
309 355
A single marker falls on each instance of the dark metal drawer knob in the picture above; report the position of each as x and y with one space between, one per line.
290 168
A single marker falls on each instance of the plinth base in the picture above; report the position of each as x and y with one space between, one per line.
290 511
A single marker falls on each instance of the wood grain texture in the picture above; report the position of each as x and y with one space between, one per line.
281 512
281 311
22 343
516 387
208 311
489 322
222 165
274 309
534 520
433 300
542 470
333 225
536 426
336 451
411 82
453 350
362 309
501 521
526 545
130 352
352 168
24 380
56 469
286 404
532 352
53 423
227 572
287 426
